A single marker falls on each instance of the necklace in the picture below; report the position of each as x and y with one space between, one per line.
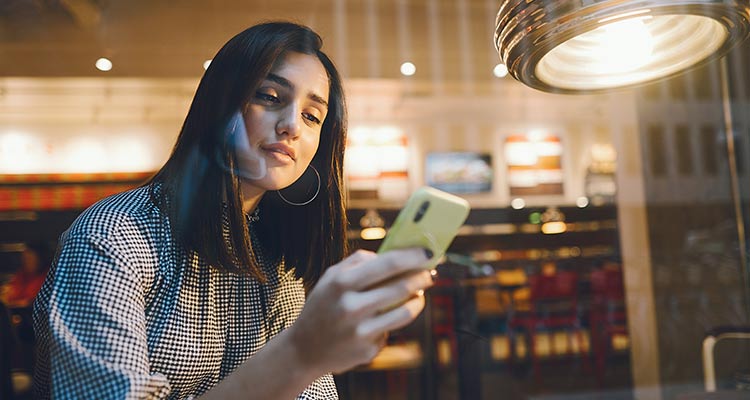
254 216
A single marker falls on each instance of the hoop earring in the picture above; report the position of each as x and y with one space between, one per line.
317 190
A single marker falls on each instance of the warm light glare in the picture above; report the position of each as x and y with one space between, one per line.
17 153
85 154
520 153
408 69
602 152
553 227
618 47
130 153
372 233
35 152
500 71
623 46
372 150
206 64
518 203
582 202
103 64
629 51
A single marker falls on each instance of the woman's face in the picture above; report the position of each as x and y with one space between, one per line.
283 120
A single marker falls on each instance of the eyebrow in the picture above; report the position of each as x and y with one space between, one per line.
285 82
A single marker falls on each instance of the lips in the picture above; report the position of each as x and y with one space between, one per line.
280 148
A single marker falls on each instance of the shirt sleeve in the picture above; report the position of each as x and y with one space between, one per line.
323 388
96 326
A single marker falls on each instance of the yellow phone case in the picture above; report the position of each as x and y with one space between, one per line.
430 219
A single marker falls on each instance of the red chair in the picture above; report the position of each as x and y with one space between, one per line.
443 319
553 306
607 316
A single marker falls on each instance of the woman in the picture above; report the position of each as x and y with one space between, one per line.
194 284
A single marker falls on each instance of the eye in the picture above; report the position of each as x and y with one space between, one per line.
311 118
267 98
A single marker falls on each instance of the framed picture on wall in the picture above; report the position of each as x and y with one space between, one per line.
459 172
376 165
534 164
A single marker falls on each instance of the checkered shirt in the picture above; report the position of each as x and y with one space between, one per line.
125 313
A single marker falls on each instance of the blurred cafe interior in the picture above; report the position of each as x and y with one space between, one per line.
605 255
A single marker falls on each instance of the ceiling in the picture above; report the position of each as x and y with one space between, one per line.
448 40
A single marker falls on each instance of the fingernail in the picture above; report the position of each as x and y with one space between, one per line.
420 293
433 273
428 253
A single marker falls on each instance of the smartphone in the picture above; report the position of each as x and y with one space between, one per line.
430 219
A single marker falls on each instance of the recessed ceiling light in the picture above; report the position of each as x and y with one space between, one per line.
500 70
408 69
103 64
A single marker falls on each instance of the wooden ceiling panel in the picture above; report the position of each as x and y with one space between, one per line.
448 40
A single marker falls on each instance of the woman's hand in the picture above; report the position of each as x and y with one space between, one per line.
355 304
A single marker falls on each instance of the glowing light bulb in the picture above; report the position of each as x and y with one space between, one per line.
553 227
408 69
622 46
372 233
517 203
103 64
500 70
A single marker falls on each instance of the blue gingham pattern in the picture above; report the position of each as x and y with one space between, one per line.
125 313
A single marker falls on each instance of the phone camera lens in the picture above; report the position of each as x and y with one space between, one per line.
421 211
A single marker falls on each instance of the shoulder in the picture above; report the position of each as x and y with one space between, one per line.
129 214
123 232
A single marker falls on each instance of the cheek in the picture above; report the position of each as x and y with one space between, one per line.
251 129
311 147
255 124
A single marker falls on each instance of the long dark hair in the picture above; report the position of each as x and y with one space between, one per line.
200 192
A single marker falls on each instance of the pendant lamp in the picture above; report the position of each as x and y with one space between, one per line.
587 46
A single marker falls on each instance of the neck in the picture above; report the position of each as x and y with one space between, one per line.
251 196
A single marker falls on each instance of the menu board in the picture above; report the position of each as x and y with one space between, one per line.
376 165
459 172
534 164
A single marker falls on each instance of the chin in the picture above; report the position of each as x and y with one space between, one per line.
260 185
274 184
274 180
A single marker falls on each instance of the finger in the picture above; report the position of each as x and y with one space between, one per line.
383 267
394 319
354 259
382 340
395 291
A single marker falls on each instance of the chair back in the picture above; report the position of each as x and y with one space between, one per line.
560 285
607 297
557 292
607 285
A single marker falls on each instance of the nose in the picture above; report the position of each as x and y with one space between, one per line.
289 122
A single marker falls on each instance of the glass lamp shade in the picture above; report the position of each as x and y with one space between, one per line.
585 46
